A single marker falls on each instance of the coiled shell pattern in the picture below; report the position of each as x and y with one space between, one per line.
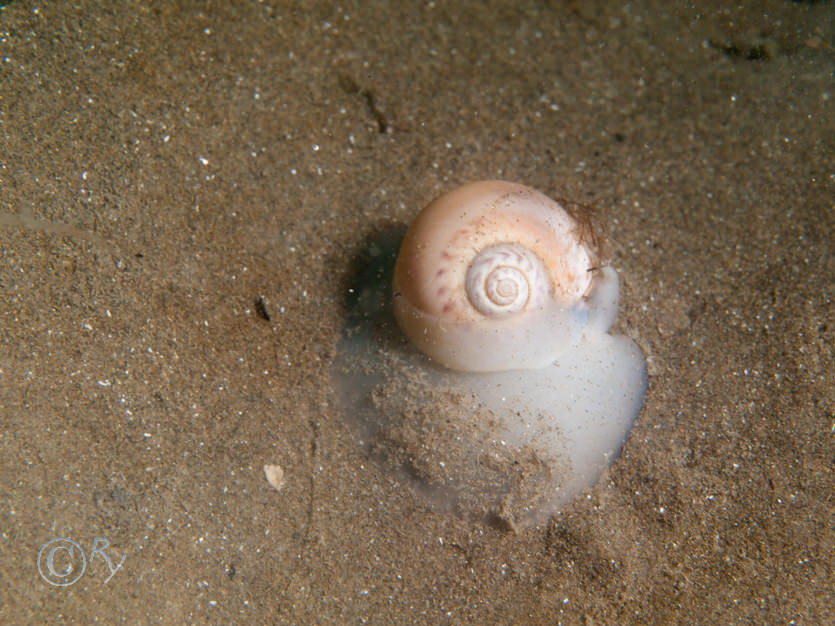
491 277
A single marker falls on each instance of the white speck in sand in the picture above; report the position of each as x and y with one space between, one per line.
275 476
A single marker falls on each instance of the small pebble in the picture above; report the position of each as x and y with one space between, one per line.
275 476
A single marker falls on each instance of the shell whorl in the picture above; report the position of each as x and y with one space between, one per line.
506 278
493 276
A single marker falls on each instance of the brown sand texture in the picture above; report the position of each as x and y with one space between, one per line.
185 188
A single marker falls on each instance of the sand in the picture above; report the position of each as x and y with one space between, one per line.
185 189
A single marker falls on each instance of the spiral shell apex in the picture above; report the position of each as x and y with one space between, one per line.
488 269
500 278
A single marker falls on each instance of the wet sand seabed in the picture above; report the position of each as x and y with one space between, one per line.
185 189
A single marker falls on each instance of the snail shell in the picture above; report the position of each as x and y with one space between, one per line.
495 276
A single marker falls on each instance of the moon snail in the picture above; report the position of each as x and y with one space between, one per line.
489 381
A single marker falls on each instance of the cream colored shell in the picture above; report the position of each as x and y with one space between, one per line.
491 276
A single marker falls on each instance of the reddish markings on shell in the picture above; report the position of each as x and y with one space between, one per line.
457 229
